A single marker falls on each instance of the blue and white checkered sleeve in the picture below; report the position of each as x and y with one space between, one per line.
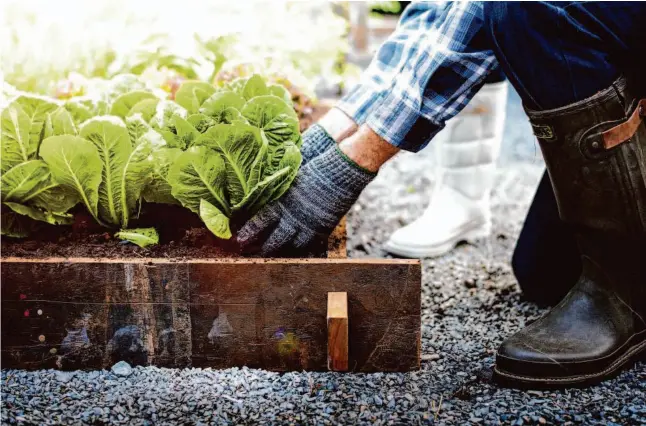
446 70
390 59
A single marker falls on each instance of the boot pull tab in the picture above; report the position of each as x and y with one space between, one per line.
624 131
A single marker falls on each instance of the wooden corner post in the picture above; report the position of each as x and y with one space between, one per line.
337 331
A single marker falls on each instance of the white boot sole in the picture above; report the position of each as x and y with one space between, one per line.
434 250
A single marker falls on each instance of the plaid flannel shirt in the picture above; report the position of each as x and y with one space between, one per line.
424 74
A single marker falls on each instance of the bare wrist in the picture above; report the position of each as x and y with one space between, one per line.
367 149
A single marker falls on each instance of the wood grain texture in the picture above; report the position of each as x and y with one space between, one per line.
266 313
337 331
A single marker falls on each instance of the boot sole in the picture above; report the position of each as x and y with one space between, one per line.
482 231
635 353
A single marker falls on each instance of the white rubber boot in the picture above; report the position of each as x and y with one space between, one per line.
459 209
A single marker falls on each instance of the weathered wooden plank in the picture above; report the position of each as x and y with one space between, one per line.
337 331
93 314
89 313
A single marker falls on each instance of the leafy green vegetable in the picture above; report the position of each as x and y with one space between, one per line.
76 166
137 127
59 122
146 108
126 102
192 94
126 169
199 173
159 189
143 237
16 146
215 220
19 182
37 108
15 225
222 153
223 107
275 117
41 215
243 150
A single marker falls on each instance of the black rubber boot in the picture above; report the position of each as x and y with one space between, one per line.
595 152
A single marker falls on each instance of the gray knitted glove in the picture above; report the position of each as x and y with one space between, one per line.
315 142
322 193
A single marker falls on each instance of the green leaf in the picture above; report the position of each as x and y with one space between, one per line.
76 165
19 182
15 225
146 108
41 215
199 173
292 160
201 122
255 86
53 197
153 138
143 237
159 188
36 108
61 122
164 115
264 191
186 133
217 105
79 111
216 221
124 103
281 92
136 127
126 170
275 117
15 143
240 146
192 94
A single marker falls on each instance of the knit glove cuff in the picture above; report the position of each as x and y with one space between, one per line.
316 140
329 185
322 193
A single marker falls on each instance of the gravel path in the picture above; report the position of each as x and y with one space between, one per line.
470 303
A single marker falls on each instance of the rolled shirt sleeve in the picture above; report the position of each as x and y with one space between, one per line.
389 60
443 69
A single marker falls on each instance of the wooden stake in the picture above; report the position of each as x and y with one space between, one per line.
337 331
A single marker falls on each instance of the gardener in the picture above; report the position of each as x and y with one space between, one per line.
574 66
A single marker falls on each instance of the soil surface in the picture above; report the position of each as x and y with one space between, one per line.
182 236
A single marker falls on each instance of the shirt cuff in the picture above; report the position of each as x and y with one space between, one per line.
359 102
401 125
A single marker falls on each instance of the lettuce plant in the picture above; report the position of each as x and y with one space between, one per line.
222 153
28 190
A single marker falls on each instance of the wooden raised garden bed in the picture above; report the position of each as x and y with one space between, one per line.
88 311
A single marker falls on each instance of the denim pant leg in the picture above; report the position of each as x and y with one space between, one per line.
546 260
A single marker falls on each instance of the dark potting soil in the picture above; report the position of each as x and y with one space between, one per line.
182 236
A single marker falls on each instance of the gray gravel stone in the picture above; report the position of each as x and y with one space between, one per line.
122 369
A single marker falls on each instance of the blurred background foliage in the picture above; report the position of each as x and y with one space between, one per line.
53 47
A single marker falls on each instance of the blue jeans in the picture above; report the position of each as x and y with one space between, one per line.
555 54
558 53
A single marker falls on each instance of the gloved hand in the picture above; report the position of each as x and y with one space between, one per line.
322 193
316 140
